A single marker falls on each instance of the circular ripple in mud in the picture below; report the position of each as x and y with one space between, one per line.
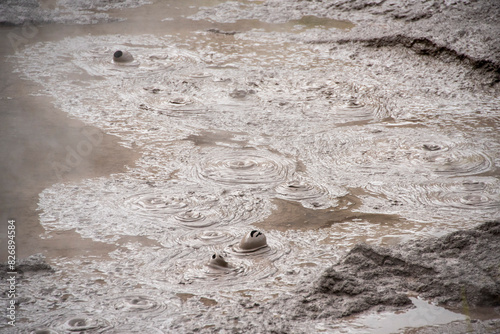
237 272
138 304
203 212
448 157
357 111
274 250
99 62
301 190
194 210
174 106
133 63
155 204
195 219
458 162
245 167
84 323
147 306
399 151
43 331
482 195
243 265
200 239
200 75
459 196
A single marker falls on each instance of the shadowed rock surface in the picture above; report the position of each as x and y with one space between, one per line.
457 270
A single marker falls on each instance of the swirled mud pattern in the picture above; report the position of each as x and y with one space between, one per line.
148 211
344 104
227 125
243 265
238 272
480 194
244 167
394 151
305 191
207 238
155 204
65 323
122 315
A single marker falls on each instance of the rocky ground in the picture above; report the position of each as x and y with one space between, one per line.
459 270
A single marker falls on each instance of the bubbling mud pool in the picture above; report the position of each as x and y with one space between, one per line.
232 129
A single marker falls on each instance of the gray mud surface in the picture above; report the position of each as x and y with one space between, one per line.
36 12
459 270
460 31
355 134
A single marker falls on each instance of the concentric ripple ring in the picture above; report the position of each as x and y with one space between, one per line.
246 167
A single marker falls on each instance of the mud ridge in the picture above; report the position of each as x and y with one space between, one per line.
425 46
457 270
222 32
33 263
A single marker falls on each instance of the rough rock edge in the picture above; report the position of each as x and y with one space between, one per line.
222 32
456 269
424 46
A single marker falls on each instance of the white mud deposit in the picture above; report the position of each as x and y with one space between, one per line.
230 123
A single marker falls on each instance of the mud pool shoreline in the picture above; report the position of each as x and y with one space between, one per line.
35 141
443 50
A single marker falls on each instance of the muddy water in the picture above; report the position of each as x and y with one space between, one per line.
241 126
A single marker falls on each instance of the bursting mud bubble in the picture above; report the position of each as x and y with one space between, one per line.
246 121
